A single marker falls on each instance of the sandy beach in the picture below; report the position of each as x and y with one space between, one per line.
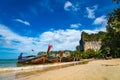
84 70
94 70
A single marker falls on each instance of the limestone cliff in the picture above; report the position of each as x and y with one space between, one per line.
91 41
95 45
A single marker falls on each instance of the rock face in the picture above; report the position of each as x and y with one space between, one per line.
85 45
89 42
81 44
95 45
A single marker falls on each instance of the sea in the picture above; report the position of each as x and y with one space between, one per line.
5 63
9 63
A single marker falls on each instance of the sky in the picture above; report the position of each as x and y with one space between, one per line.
27 25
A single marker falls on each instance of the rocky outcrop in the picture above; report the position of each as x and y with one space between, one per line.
90 41
85 45
95 45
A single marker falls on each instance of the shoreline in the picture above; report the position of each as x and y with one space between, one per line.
12 73
41 66
91 69
94 70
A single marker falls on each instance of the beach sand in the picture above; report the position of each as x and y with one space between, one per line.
94 70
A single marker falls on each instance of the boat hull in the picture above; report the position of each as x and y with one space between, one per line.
53 59
36 60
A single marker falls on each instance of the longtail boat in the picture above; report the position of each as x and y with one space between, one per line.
51 59
31 59
39 59
65 59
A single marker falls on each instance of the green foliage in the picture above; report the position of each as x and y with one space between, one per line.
118 52
94 54
93 37
111 41
84 55
90 53
98 54
78 47
75 54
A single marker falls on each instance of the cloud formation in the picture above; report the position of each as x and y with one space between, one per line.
60 39
100 20
13 40
68 6
75 26
96 30
91 11
23 22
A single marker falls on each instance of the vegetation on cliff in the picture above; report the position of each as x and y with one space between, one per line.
110 40
93 37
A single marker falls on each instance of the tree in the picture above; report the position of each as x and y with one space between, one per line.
78 47
90 53
111 40
98 54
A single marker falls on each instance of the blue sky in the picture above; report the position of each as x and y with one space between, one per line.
33 24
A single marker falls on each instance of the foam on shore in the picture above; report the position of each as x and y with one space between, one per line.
38 67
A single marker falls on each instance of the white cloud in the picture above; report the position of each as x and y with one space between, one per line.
70 7
22 21
60 39
15 41
75 26
100 20
96 30
67 5
91 11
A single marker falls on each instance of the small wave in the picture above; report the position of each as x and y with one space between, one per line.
35 67
38 67
19 68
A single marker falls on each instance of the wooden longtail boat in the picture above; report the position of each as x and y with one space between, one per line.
51 59
31 59
39 59
65 59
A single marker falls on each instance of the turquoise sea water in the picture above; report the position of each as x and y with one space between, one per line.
4 63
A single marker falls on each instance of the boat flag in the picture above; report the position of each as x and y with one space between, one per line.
49 47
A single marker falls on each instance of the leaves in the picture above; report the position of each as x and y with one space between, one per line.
111 41
92 37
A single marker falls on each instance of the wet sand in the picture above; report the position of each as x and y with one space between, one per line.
94 70
12 73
